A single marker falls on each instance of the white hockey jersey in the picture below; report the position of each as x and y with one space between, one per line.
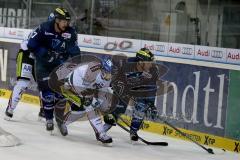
87 76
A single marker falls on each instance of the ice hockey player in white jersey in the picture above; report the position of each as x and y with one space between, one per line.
82 86
25 77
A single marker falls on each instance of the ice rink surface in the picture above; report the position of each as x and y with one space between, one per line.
80 144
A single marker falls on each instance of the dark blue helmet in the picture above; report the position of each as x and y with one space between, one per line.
51 16
107 64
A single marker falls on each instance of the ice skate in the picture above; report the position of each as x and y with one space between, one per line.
104 138
62 128
50 126
41 114
133 137
8 114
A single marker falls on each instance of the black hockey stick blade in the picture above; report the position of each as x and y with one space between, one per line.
154 143
143 140
209 150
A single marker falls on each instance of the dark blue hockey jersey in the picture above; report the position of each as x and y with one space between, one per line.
137 78
50 48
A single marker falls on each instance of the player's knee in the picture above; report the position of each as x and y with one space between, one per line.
47 98
23 84
60 101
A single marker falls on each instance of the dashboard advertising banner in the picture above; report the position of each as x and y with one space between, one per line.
198 100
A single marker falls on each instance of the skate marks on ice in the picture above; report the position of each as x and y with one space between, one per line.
7 139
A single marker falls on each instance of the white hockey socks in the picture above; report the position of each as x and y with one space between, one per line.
18 90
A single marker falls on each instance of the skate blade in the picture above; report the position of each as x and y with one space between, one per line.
62 134
51 133
7 118
105 144
133 142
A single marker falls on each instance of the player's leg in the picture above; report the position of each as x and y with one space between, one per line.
60 105
108 105
74 114
97 125
24 75
47 98
41 113
20 86
139 111
95 120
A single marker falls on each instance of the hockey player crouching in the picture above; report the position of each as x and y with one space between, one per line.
82 87
138 81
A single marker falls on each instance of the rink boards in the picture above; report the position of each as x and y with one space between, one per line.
205 99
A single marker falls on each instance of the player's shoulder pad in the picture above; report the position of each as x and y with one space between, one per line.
94 66
71 30
47 26
92 71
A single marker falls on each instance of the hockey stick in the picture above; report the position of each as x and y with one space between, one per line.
124 128
209 150
143 140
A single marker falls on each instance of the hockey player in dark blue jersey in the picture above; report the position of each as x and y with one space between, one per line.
138 80
143 71
52 43
25 76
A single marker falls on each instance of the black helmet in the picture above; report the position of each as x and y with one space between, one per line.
62 13
144 54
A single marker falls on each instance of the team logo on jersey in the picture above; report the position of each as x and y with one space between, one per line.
55 43
98 85
27 68
66 35
63 45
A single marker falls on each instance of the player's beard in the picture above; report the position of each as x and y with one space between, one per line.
61 28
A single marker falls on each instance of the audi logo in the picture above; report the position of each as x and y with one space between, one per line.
216 54
160 48
110 46
187 51
96 41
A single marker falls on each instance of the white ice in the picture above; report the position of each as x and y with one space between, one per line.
80 144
